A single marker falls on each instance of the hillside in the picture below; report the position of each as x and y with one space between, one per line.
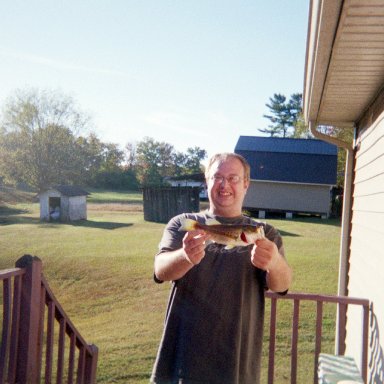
12 196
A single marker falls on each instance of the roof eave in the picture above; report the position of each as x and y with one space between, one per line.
322 27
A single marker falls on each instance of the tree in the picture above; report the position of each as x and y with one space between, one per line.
130 155
153 161
343 134
38 145
284 115
301 130
279 116
190 162
193 159
104 165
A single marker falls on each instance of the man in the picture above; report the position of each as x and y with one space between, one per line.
214 321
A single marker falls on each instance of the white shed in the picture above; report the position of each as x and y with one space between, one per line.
63 203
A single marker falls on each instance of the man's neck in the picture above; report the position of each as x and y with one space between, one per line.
224 212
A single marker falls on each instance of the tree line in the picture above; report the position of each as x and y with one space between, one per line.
46 140
43 142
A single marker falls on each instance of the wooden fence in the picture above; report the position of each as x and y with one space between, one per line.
162 203
32 349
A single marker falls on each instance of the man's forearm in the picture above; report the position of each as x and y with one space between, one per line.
279 279
171 265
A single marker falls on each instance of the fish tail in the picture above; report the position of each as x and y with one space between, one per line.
188 225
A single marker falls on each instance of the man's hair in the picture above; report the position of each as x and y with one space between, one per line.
225 156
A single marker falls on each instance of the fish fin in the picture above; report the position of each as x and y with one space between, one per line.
259 224
212 222
187 224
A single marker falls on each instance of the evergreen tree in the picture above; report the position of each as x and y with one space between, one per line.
279 116
285 115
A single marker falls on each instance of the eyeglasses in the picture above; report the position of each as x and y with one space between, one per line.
232 179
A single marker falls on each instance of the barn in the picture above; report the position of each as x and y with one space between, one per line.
344 88
289 175
63 203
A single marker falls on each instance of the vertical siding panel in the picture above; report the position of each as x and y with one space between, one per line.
293 197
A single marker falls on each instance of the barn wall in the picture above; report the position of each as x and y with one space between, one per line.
288 197
366 274
162 203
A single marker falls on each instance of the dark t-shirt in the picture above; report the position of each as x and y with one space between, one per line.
214 322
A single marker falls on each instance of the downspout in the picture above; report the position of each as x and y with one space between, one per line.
346 214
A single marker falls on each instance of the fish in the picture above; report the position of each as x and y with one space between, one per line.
230 235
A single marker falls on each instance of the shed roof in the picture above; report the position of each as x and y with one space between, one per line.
70 190
285 145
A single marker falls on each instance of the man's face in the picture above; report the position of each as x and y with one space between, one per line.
227 187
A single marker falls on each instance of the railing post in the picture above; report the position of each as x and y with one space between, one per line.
27 356
91 365
341 329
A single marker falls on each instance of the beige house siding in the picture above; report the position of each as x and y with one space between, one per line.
288 197
366 273
344 88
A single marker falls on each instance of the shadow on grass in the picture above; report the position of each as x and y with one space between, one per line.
99 224
17 219
114 201
7 210
310 220
334 222
285 233
10 215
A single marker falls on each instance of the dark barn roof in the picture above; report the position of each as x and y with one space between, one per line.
289 160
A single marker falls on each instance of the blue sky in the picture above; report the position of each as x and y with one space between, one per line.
187 72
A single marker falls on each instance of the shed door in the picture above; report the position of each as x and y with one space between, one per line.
54 208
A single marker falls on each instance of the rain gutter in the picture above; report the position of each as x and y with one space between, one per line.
347 207
345 224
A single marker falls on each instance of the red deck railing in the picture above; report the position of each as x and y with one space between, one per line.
341 304
39 343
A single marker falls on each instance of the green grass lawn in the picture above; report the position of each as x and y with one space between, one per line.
126 197
101 269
